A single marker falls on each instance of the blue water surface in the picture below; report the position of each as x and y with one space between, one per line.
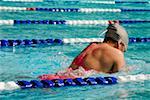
20 63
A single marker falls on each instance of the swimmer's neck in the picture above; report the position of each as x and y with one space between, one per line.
111 44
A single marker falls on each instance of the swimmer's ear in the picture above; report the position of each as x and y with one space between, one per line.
116 45
120 46
123 47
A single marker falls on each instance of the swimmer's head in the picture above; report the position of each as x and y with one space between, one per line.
118 34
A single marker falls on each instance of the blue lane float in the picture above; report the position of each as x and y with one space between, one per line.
67 82
32 42
27 42
133 10
135 2
39 22
57 9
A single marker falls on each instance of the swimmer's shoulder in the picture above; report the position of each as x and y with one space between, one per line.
105 47
109 49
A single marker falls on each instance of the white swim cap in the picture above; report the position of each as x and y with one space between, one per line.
117 33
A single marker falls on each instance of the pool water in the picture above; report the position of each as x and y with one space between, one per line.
27 63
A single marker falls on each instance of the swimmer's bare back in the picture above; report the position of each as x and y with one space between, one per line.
78 61
100 57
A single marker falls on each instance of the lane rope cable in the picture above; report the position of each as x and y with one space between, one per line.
32 42
82 10
109 80
70 22
82 1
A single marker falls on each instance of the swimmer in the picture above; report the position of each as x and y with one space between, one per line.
106 57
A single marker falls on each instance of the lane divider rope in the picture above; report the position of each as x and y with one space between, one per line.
23 84
27 42
82 10
70 22
83 1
